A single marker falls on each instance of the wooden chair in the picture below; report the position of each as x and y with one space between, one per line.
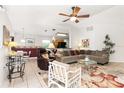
62 75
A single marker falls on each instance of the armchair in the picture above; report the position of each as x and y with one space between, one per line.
42 59
60 75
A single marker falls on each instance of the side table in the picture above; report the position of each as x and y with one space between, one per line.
15 64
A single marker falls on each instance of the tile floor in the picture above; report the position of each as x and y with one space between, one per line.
32 79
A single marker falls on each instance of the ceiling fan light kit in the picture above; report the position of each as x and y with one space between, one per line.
73 19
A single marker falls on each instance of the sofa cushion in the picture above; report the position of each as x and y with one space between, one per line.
88 52
66 53
82 51
69 59
98 53
93 52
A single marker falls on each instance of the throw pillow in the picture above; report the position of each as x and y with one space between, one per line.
72 52
77 52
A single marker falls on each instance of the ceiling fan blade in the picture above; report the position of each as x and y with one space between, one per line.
76 21
75 10
65 20
83 16
64 14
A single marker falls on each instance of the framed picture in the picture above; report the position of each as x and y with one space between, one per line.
85 43
29 42
6 36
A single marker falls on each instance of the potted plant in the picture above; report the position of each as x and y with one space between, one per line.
108 45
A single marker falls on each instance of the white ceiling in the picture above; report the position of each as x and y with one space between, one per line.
36 19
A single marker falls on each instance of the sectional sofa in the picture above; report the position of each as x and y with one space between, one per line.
71 55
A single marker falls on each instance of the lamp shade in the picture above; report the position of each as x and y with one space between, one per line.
51 45
12 44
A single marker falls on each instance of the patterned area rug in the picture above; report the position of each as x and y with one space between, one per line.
99 77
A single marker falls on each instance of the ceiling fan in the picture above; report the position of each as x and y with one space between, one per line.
74 15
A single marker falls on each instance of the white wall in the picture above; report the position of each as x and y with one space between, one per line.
3 50
75 34
109 22
37 34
